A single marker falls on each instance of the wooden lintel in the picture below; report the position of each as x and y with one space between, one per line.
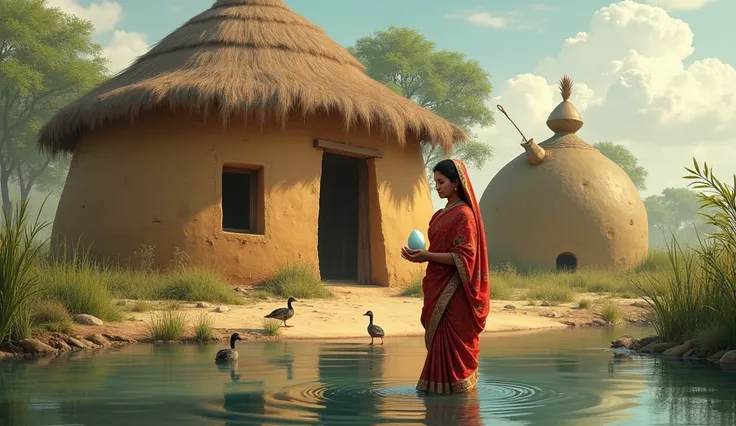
347 149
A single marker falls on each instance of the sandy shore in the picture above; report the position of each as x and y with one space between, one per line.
341 317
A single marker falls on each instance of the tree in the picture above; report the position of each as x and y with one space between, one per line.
626 160
446 83
675 212
47 57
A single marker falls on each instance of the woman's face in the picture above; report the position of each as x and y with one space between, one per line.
443 185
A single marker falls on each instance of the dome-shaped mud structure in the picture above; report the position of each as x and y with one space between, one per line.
564 205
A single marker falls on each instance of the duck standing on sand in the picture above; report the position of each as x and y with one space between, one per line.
228 355
374 330
283 314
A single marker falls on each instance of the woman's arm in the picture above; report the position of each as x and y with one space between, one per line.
443 258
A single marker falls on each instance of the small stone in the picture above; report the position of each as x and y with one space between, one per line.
36 347
114 338
10 348
203 305
644 342
716 357
509 307
85 319
679 350
59 344
239 289
74 343
624 342
657 348
222 309
728 358
99 339
545 303
692 354
598 323
552 314
90 345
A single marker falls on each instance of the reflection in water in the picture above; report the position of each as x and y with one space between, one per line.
354 367
552 378
695 394
244 401
453 410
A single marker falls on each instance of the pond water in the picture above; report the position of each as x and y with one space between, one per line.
564 377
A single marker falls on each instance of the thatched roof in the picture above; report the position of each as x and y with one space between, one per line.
248 57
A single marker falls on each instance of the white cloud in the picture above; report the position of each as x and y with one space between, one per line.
105 15
543 7
632 87
481 19
124 47
675 5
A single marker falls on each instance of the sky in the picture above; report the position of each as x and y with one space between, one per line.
656 76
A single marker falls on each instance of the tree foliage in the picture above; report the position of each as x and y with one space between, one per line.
47 58
626 160
447 83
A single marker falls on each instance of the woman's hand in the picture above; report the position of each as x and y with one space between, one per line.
416 256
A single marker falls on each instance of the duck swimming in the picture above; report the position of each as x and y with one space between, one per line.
283 314
375 331
228 355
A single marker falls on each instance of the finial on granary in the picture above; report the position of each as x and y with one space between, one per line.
565 118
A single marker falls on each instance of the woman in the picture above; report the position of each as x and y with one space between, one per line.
456 285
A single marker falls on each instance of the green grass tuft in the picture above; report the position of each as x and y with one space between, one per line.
584 303
551 293
271 327
168 325
299 280
203 328
611 312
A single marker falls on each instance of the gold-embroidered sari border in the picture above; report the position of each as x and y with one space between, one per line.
439 309
457 387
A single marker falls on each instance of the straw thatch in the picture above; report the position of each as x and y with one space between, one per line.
248 58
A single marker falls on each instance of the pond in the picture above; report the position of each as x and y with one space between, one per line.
564 377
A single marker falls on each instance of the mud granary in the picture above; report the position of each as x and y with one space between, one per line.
562 204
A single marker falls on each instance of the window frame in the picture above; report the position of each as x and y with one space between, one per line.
256 198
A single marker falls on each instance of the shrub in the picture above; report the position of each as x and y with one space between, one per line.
298 280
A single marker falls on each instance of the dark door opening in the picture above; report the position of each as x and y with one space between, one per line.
567 262
341 244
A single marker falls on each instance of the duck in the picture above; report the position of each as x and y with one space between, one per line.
375 331
228 355
283 314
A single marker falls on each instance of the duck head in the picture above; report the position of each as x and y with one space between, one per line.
234 337
368 314
291 299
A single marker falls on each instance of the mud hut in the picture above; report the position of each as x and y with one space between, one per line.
563 205
248 138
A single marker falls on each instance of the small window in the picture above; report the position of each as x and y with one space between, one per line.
240 200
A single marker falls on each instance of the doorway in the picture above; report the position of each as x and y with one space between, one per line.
342 240
567 262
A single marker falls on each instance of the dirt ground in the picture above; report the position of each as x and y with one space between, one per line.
341 317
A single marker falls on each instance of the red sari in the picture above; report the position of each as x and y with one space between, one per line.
456 297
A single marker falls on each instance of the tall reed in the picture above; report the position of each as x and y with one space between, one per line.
697 299
19 286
